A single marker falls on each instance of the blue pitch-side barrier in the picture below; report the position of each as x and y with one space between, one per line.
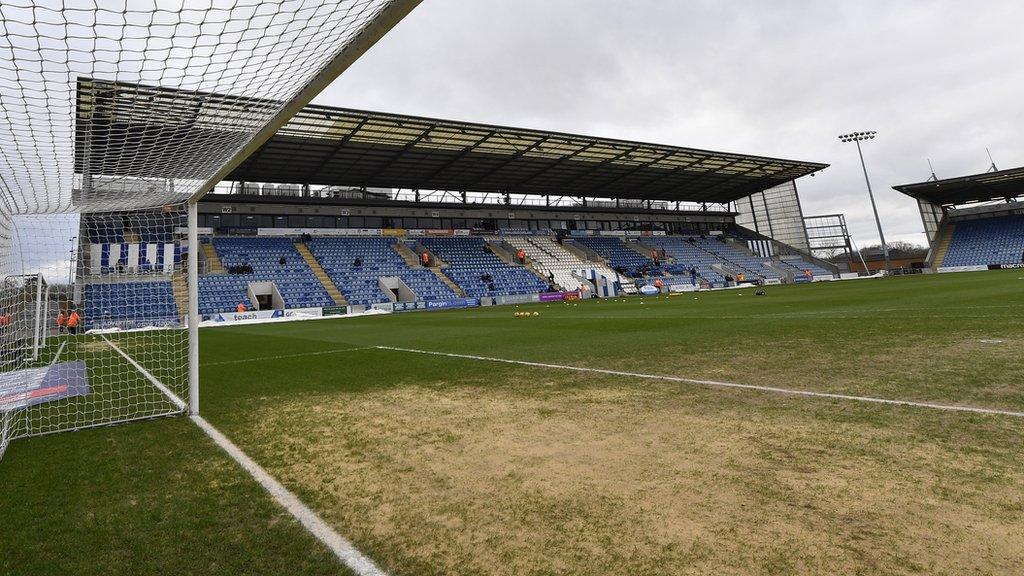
456 303
429 305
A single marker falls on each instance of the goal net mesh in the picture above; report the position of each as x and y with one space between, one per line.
112 115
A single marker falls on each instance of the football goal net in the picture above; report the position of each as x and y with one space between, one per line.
115 118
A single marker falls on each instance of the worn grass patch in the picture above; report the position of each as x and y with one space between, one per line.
540 472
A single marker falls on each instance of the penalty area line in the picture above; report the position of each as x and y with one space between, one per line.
719 384
341 547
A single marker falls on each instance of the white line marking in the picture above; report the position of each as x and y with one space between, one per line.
159 385
715 383
338 545
341 547
282 356
56 355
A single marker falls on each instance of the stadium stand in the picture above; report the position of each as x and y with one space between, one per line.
687 255
552 259
620 256
998 240
116 228
798 265
129 304
294 280
479 271
377 259
736 258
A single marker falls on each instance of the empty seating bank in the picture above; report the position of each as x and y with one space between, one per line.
479 271
365 269
996 240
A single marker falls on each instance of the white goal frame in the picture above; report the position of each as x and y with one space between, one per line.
251 67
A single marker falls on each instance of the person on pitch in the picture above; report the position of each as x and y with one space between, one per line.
73 322
62 322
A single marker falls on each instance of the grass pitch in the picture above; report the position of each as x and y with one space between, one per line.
438 465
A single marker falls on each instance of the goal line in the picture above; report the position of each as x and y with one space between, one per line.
342 548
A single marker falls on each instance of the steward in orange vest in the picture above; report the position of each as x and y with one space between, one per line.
73 320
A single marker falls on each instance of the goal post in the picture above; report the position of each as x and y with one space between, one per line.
193 307
114 121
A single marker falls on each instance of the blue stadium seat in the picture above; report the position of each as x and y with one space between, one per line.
294 279
469 261
619 256
129 305
998 240
378 259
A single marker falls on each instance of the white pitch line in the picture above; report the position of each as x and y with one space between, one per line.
715 383
344 550
283 356
340 546
177 401
56 355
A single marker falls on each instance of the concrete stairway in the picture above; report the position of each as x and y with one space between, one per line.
942 246
413 260
448 281
639 247
179 285
212 259
321 275
407 254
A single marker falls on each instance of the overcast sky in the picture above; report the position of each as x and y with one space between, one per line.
939 80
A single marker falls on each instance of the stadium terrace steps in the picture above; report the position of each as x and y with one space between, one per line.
212 259
942 247
356 266
410 257
640 248
179 286
321 275
473 266
448 281
435 260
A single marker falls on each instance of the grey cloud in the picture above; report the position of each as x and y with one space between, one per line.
937 80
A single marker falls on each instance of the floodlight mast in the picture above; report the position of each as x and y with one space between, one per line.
856 137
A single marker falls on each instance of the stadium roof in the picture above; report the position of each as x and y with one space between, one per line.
964 189
337 146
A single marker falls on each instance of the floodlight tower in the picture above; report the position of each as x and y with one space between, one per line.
856 137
